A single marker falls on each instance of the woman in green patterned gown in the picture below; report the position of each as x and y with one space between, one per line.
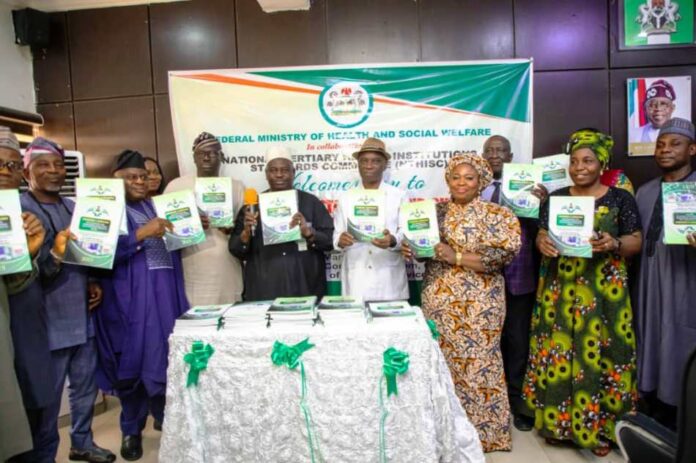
581 371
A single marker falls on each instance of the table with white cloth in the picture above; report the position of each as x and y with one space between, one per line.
247 409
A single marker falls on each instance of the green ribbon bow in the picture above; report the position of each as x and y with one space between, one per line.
433 329
198 359
290 356
395 363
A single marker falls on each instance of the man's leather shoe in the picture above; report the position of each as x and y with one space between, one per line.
132 448
93 454
523 423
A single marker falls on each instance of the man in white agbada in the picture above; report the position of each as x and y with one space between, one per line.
211 274
374 271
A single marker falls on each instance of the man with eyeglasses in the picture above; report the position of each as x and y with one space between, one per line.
143 297
659 106
211 274
286 269
69 295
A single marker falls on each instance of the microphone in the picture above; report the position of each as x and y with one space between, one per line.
251 201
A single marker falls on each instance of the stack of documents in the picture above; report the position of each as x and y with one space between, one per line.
293 308
391 309
203 315
340 308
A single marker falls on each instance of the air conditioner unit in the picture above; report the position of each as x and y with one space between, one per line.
74 168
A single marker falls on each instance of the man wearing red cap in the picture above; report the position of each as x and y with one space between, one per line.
659 106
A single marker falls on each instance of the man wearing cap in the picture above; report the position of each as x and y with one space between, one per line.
211 274
286 269
665 296
143 297
659 106
68 296
374 271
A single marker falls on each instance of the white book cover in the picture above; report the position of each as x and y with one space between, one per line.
276 209
110 189
214 197
571 221
679 209
418 222
181 210
365 215
518 182
95 225
555 171
14 254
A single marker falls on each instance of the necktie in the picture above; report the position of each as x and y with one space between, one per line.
495 197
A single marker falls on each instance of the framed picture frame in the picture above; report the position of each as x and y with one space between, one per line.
650 102
654 24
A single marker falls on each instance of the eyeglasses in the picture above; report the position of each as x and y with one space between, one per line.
135 177
12 166
659 104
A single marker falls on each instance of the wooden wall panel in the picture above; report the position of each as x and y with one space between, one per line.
466 30
52 65
562 34
566 101
59 123
110 52
104 128
290 38
166 149
191 35
366 31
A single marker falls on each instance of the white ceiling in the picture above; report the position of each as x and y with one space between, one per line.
66 5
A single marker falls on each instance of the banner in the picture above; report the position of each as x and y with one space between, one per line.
425 113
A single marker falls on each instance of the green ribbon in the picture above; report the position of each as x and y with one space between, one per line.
198 359
433 329
290 356
395 363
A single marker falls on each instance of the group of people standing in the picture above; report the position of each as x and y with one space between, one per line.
555 341
547 338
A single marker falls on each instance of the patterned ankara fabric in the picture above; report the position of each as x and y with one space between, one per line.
469 310
581 374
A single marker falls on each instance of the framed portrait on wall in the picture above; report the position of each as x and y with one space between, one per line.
656 23
652 101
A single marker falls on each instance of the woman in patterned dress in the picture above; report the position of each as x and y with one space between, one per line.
581 370
464 293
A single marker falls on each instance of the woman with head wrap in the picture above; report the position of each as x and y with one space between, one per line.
581 371
610 177
464 293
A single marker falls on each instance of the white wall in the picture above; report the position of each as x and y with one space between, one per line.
16 69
